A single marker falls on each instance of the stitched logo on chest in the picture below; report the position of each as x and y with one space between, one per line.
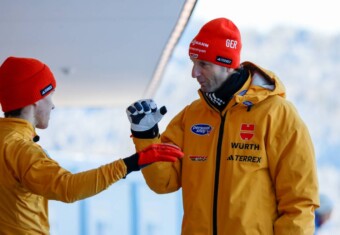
198 158
239 158
247 131
201 129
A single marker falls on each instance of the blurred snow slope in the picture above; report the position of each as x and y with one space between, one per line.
307 63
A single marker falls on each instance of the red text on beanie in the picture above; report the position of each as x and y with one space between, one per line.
24 81
219 42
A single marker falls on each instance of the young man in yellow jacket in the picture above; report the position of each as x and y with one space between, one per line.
28 176
249 166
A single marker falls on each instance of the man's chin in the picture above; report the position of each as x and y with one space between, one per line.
203 89
42 126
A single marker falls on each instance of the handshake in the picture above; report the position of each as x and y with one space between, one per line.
144 117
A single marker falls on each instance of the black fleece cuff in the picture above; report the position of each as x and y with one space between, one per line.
131 163
149 134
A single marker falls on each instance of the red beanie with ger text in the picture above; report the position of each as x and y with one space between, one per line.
219 42
24 81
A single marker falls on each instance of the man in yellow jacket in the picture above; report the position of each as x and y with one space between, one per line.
249 166
28 176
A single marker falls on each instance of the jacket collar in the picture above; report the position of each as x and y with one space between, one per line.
20 126
261 84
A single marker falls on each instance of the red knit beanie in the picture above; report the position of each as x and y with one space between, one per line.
24 81
219 42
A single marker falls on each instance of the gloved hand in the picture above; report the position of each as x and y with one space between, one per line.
159 152
151 154
144 115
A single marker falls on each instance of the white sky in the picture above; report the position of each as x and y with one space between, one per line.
320 16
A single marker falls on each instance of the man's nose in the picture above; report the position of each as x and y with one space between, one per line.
195 71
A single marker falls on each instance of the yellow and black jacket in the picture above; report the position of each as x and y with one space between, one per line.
29 178
248 170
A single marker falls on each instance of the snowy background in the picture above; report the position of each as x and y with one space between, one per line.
306 60
308 64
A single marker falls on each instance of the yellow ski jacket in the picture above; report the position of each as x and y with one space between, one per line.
29 178
249 170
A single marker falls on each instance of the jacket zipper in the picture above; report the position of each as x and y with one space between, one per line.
217 173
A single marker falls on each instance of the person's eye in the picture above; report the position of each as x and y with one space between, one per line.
203 64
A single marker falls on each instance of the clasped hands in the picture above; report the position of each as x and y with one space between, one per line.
144 116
